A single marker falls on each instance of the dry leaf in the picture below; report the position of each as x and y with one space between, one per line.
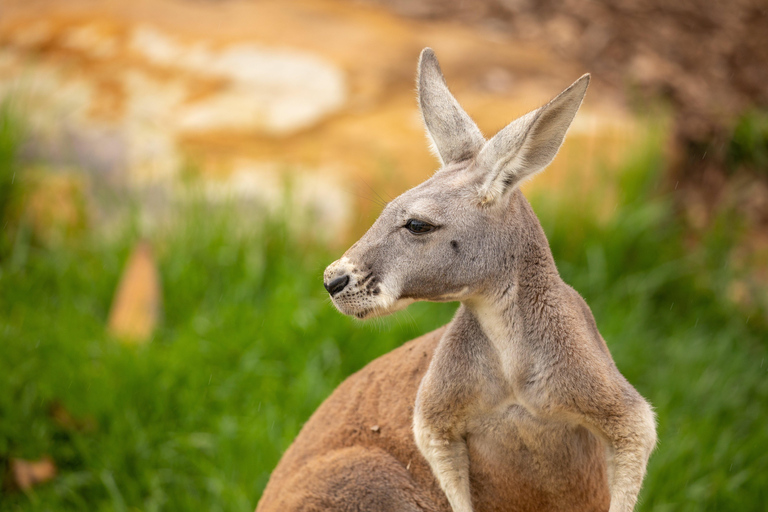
136 307
64 419
26 473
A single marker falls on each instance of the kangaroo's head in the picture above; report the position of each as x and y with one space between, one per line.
452 237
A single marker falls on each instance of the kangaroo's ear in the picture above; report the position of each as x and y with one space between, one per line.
528 144
454 136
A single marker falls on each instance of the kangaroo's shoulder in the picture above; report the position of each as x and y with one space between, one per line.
578 309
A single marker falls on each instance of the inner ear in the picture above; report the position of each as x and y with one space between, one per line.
528 144
454 136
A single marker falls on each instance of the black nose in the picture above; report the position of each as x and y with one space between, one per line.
336 285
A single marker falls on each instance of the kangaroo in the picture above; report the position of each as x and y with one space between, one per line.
516 404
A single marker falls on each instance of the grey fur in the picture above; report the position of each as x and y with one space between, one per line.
528 144
523 354
454 136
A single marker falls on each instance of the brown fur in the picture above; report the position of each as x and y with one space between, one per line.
340 462
517 404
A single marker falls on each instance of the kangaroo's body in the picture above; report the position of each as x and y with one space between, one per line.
517 404
340 461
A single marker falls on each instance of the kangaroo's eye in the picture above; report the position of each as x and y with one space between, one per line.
419 227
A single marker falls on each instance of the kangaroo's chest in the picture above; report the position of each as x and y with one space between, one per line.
516 457
514 450
512 369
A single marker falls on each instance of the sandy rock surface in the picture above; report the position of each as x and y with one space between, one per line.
247 94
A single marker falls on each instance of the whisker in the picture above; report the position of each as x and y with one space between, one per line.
381 201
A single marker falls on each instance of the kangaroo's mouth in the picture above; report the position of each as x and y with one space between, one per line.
359 305
360 291
363 304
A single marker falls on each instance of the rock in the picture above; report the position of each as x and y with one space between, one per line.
315 93
122 105
271 90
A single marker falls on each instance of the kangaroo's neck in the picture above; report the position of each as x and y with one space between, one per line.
522 298
534 266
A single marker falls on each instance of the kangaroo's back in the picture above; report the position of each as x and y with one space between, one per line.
357 452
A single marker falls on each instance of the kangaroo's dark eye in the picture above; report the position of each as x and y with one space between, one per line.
419 227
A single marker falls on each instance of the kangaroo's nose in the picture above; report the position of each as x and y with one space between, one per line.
336 285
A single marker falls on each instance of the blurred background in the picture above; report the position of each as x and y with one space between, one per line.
176 174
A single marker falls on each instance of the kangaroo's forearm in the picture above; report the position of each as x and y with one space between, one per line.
449 459
631 441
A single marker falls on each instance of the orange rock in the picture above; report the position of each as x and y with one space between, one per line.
150 84
136 306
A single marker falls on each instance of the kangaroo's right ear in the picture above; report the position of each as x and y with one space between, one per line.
453 134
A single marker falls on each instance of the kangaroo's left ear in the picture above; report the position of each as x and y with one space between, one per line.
528 144
454 136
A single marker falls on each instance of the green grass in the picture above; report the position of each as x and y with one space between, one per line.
749 142
9 142
250 346
197 419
